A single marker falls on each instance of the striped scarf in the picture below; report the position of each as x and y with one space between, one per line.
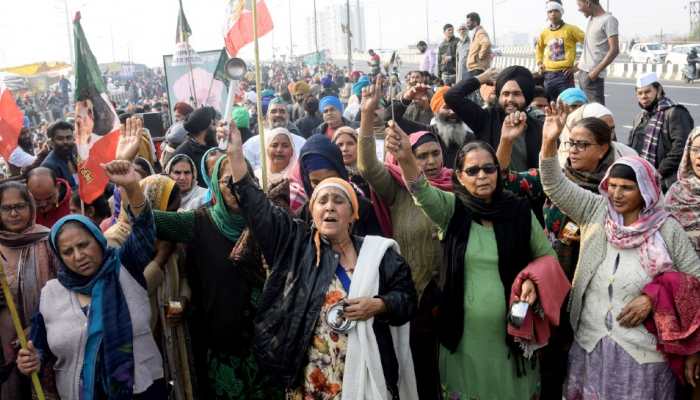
654 127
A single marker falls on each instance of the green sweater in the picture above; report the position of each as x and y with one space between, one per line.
439 206
413 231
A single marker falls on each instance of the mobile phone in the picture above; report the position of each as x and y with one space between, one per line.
518 312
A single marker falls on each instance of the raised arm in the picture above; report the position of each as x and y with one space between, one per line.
513 127
435 203
139 248
272 227
456 98
401 106
371 169
577 203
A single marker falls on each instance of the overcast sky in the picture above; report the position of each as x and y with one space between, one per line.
144 30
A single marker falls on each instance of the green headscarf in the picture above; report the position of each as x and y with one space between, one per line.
229 224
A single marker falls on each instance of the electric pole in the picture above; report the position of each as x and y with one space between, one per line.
427 24
349 33
68 31
493 20
291 42
316 29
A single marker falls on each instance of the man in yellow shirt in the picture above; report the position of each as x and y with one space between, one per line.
556 51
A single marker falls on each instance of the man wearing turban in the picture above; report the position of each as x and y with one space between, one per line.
515 88
446 125
300 90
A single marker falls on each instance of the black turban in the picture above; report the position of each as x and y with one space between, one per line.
199 120
521 75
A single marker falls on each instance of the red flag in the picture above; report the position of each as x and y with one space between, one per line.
240 26
97 124
11 121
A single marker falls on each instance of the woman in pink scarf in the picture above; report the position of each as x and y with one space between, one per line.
627 240
683 198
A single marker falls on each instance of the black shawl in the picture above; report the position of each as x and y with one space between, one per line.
512 222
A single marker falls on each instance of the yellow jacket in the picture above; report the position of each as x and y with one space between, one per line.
479 56
556 50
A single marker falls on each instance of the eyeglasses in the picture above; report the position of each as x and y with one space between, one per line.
19 207
488 169
578 146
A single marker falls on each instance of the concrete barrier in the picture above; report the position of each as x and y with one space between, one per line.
525 56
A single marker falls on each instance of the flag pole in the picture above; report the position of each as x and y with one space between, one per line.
18 326
258 87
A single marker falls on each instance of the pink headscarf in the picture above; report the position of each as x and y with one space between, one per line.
443 182
644 233
683 198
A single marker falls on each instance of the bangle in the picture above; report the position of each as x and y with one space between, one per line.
142 205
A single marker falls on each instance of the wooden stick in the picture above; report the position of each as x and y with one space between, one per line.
18 326
258 87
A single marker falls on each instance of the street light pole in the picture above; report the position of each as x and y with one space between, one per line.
291 42
316 28
493 20
68 31
349 33
427 24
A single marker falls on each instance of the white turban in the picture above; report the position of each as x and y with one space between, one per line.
553 5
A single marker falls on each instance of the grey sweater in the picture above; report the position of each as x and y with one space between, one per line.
589 210
66 329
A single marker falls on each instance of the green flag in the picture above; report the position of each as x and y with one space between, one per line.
183 28
96 122
220 72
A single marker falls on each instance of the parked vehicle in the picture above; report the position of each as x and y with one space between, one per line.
679 53
650 53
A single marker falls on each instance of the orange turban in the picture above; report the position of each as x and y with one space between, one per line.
301 87
438 99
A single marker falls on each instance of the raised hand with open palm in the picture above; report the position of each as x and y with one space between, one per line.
130 139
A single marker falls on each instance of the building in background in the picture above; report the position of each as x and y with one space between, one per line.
331 16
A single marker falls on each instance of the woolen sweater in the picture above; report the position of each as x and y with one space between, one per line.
414 231
589 211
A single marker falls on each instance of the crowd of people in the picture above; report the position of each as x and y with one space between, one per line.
468 233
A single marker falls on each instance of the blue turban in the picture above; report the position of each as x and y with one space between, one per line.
327 81
330 101
573 96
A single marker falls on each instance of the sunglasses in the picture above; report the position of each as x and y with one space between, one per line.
489 169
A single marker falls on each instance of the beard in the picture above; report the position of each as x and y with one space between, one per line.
65 152
26 145
451 131
278 123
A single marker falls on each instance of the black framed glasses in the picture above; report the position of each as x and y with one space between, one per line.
19 207
489 169
577 145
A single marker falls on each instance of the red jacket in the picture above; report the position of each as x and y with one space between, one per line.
62 209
